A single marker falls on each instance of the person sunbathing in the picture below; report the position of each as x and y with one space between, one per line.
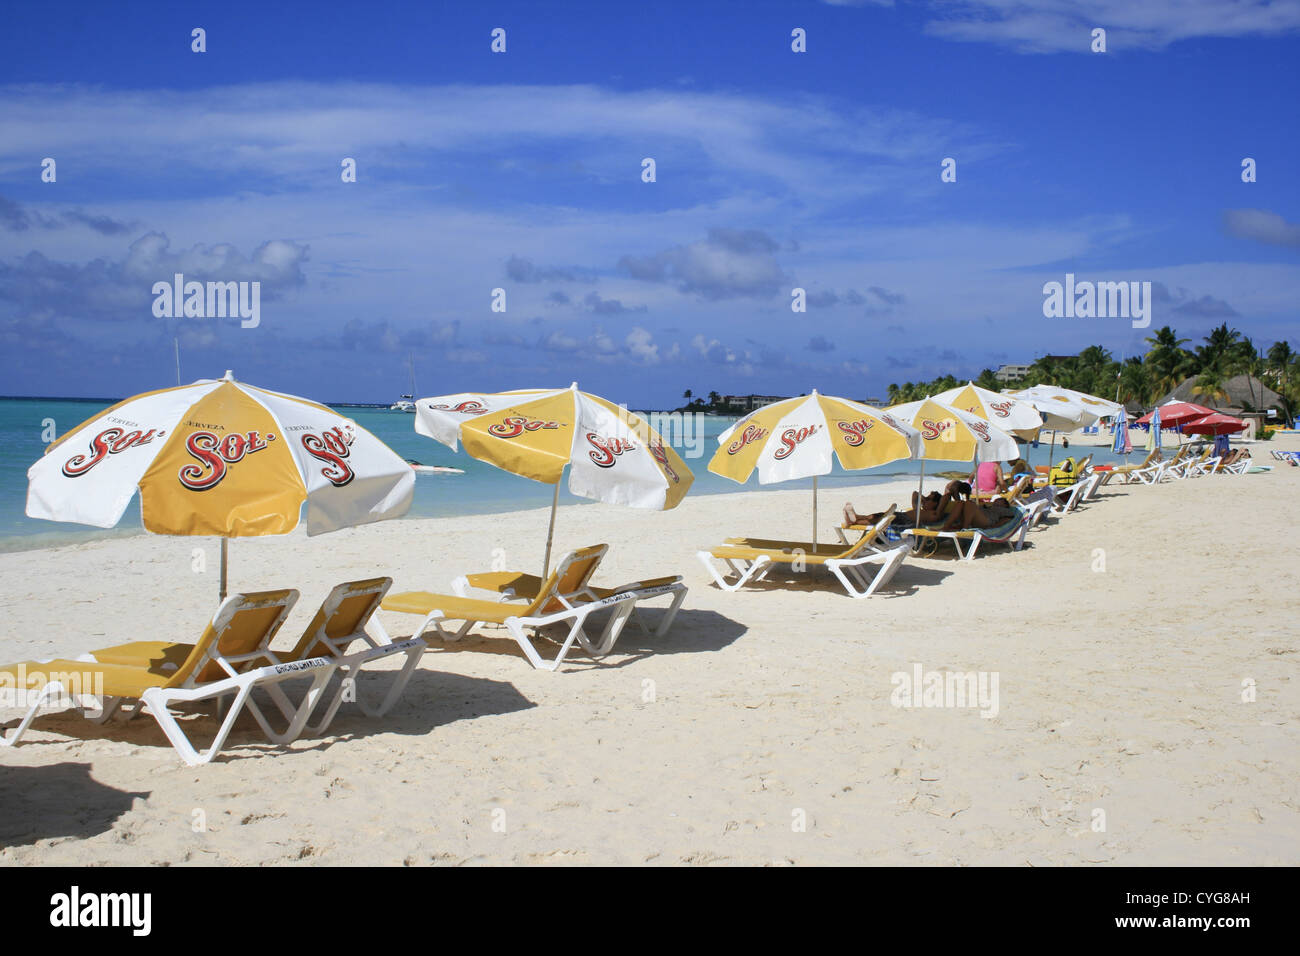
935 507
971 514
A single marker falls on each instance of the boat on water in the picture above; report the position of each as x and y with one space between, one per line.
407 402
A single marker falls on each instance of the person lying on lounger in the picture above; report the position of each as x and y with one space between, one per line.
935 507
972 514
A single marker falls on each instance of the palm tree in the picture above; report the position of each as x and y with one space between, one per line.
1168 363
1209 385
715 399
893 395
1134 381
987 379
687 394
1281 358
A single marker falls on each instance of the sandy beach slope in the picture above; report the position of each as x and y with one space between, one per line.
760 731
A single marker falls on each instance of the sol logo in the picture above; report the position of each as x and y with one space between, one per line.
751 434
607 450
332 447
855 433
514 426
215 454
658 454
1001 409
790 440
469 407
111 441
932 430
981 429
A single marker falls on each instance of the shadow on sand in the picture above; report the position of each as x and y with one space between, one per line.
58 800
432 698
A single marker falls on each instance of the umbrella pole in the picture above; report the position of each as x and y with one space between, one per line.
550 533
222 595
920 483
1050 453
814 534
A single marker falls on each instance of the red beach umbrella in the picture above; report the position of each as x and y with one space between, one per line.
1177 413
1214 424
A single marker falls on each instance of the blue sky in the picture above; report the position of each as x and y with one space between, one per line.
522 171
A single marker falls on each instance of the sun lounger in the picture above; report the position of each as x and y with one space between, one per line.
339 624
1011 532
1125 471
558 602
224 662
1189 467
752 559
515 585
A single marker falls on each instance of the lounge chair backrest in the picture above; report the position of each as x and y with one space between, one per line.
243 624
1017 489
1081 466
342 618
871 534
572 574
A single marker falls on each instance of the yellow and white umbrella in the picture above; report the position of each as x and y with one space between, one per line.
1007 413
950 434
797 437
220 457
612 455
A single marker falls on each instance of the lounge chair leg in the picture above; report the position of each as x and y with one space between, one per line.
52 689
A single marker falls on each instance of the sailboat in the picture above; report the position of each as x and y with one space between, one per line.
407 402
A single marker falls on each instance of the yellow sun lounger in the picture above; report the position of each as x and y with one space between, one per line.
223 662
559 601
340 622
517 585
1125 471
752 559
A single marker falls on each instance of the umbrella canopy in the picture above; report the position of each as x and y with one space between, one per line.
612 455
1060 411
1008 413
951 434
1153 437
1101 407
1123 443
797 437
220 457
1176 414
1214 424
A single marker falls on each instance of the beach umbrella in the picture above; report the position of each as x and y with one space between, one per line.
1153 439
796 438
1214 424
1008 413
1175 414
1123 443
1060 411
612 455
1101 407
950 434
224 458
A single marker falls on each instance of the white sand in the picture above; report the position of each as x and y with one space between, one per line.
1119 691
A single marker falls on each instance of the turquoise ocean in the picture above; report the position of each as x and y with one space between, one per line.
482 489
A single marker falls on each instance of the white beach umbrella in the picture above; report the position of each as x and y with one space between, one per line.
220 457
1060 411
